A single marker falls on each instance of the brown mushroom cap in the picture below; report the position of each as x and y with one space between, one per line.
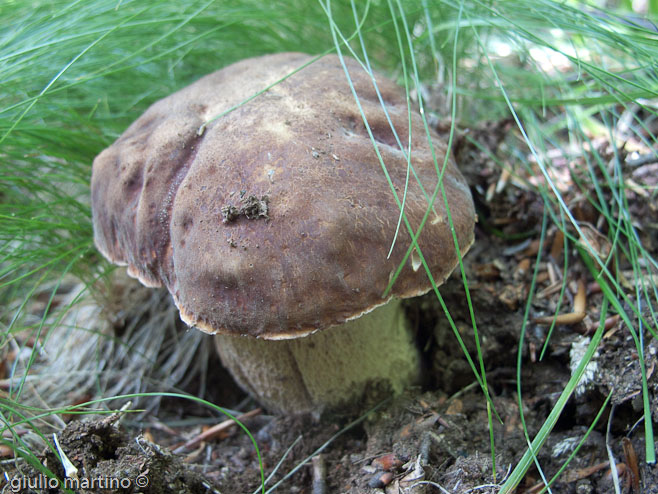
276 221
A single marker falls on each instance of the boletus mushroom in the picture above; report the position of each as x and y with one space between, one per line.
271 225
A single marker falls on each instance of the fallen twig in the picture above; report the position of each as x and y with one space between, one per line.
214 431
319 475
578 314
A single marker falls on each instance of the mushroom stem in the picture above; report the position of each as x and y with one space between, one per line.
371 356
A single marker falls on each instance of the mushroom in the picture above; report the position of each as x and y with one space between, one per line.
272 227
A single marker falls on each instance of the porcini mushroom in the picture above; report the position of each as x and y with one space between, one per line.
271 227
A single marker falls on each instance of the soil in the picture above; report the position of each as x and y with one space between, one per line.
251 207
436 437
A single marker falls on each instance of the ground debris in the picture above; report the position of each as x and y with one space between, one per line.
108 459
230 213
254 208
251 206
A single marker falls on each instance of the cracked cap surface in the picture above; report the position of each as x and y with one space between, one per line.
315 254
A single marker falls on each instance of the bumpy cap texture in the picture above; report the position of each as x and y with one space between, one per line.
277 219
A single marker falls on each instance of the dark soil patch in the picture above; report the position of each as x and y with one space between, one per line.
108 459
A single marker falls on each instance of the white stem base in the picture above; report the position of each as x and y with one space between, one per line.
329 370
